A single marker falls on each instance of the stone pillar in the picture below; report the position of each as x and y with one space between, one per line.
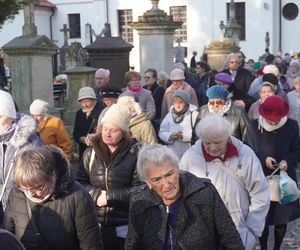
77 77
156 30
217 52
30 61
232 27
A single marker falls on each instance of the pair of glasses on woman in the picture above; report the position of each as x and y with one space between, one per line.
33 190
216 102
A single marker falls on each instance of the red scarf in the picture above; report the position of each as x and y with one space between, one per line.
230 152
135 91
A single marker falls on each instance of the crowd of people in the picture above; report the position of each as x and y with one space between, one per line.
168 162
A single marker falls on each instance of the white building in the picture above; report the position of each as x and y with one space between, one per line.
201 22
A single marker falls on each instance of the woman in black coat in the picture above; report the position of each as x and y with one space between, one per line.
176 210
49 210
108 171
275 140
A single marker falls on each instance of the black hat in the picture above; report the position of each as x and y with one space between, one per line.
110 92
271 78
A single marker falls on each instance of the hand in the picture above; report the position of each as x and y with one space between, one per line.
88 141
102 201
240 103
283 165
270 161
180 136
174 136
82 139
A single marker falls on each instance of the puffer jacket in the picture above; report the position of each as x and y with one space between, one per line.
66 221
116 178
17 139
142 129
202 221
237 117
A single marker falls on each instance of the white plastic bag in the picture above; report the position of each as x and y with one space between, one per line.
288 188
273 183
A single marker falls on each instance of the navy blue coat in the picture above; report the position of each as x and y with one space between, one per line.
281 144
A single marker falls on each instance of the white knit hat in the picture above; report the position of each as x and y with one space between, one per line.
177 74
271 69
39 107
118 116
86 93
7 106
128 102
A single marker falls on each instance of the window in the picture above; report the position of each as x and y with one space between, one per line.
125 17
290 11
240 18
179 14
74 24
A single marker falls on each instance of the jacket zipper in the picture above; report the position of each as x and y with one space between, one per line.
106 185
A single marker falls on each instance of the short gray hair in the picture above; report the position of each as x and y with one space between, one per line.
151 155
215 123
102 72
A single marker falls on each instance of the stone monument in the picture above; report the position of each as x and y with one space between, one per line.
156 31
30 61
218 50
110 53
232 30
267 40
179 56
63 49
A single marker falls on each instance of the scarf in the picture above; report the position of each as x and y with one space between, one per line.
8 132
135 91
222 111
263 124
178 116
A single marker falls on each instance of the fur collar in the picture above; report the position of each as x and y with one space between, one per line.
25 128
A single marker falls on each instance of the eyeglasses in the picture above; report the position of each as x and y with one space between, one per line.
33 190
233 62
216 102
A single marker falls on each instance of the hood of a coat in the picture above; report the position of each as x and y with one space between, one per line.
62 167
25 128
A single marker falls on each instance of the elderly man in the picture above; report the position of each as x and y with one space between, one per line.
242 77
101 81
86 118
235 171
177 78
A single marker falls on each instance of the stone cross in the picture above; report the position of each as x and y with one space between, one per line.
29 28
65 30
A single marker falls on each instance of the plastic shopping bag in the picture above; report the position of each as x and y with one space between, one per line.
288 188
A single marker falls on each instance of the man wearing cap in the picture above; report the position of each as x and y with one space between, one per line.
242 77
177 78
50 128
17 133
86 118
101 81
238 97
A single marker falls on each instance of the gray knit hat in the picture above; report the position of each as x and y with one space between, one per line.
185 96
86 93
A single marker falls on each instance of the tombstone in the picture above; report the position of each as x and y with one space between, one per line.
110 53
75 56
156 32
218 50
88 34
180 52
63 49
30 62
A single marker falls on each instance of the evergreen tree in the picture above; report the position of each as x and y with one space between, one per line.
8 10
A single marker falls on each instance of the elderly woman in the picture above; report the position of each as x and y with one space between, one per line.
133 81
176 210
265 90
178 82
275 140
48 209
219 103
294 101
140 125
17 133
50 128
108 171
239 97
176 129
236 173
